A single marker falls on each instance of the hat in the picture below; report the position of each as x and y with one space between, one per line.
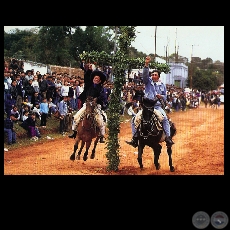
100 74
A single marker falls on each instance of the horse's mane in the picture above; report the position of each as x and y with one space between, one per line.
148 102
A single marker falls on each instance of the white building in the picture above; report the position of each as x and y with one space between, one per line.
177 76
29 65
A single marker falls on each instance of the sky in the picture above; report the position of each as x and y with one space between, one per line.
190 41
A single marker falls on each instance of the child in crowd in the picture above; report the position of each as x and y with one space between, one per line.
25 115
44 110
30 125
37 111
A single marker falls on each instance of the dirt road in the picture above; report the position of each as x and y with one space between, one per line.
198 150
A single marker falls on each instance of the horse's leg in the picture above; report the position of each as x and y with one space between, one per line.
80 150
88 143
72 157
94 147
169 151
157 152
140 152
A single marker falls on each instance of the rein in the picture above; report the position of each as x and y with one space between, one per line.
151 123
88 117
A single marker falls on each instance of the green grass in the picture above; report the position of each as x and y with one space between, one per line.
51 130
22 139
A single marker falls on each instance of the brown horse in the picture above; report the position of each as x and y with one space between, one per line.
86 131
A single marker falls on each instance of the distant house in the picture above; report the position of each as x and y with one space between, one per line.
177 76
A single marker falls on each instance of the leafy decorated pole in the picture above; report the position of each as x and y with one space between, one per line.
120 64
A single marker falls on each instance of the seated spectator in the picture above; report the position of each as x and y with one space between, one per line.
16 113
37 111
25 115
26 102
30 125
25 108
9 129
52 107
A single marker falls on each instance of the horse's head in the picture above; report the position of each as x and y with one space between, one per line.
90 106
148 107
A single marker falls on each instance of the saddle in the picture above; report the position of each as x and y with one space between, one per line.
157 117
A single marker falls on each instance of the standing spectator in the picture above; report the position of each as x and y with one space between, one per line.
71 96
13 91
6 89
51 87
65 89
29 75
44 110
183 102
35 84
36 99
9 103
75 91
63 109
79 89
19 87
177 103
43 86
9 129
29 90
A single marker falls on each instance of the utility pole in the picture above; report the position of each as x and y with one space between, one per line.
175 46
191 67
155 43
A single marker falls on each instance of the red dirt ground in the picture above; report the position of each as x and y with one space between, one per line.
198 150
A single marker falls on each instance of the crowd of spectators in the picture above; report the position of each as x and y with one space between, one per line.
25 91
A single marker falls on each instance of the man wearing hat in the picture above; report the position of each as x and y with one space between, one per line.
154 90
95 90
9 129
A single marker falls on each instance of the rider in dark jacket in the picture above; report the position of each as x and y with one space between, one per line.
96 90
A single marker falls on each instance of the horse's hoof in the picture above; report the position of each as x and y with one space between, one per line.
141 167
85 158
158 167
92 156
72 157
172 169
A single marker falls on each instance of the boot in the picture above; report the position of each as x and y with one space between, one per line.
133 142
73 135
102 139
169 141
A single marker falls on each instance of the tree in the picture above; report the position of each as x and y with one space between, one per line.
120 63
